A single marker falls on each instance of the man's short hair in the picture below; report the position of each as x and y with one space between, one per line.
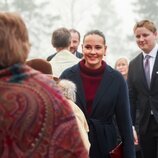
61 38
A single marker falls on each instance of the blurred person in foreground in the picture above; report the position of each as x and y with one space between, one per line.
75 41
68 89
41 65
35 119
61 40
101 94
143 87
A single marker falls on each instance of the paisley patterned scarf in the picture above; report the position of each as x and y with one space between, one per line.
35 120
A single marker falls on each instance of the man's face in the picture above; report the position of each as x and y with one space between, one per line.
74 42
145 39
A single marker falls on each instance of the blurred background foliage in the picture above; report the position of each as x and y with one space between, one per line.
43 16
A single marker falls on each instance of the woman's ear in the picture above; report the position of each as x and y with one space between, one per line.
82 47
156 34
82 50
105 50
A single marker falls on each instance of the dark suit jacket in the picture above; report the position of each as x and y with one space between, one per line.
140 93
49 58
79 55
111 98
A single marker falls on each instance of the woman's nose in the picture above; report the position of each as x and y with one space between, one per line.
93 51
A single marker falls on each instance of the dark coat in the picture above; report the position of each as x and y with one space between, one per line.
111 98
140 93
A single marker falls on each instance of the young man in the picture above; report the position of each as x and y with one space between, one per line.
143 86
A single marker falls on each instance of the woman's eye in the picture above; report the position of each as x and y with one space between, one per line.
87 47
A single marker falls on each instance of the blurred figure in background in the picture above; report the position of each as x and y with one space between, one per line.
35 119
121 65
61 40
75 41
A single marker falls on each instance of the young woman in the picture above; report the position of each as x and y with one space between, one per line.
101 94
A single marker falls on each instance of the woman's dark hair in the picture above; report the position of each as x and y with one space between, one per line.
95 32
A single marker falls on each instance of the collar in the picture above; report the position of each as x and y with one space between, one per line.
92 72
153 52
75 53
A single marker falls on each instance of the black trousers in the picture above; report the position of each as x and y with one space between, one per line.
149 141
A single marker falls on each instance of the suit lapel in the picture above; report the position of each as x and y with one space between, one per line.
155 71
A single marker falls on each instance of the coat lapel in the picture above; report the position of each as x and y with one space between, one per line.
105 84
80 92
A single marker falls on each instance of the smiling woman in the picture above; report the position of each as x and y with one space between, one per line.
94 48
101 94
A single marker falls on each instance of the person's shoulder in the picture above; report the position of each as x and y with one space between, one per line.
70 71
136 59
111 70
114 73
66 55
79 54
49 58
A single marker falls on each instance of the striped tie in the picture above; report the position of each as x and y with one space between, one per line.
147 69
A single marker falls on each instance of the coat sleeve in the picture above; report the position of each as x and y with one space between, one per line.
123 118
